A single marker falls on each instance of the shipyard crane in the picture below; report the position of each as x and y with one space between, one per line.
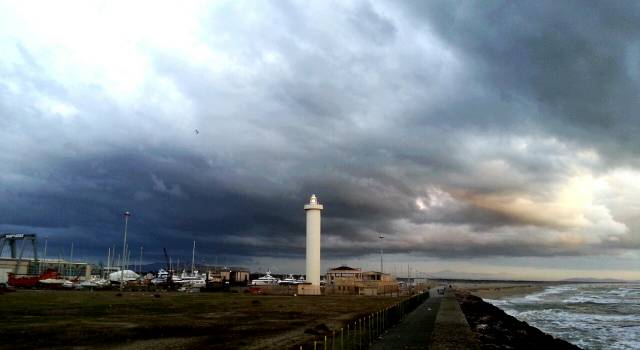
11 239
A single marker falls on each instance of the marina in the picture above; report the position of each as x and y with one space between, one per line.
16 271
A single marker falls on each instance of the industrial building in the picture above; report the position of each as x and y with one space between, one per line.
23 266
20 265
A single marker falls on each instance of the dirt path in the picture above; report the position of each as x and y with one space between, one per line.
414 332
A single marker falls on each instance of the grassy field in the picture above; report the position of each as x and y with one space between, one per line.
139 320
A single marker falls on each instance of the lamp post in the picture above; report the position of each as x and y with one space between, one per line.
127 214
381 265
140 265
46 239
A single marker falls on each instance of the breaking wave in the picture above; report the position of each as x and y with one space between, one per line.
591 316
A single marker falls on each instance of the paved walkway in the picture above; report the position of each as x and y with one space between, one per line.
414 332
451 330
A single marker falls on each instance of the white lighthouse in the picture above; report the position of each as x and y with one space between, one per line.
313 210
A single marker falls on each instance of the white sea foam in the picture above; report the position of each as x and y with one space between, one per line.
590 299
497 302
592 316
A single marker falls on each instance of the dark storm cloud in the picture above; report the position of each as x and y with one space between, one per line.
449 128
576 62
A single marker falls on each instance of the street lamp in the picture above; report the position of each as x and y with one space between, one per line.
127 214
46 239
381 265
140 265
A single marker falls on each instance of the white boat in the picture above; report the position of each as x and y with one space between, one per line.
191 281
194 283
265 280
88 284
161 277
290 280
52 281
69 284
194 279
126 275
94 282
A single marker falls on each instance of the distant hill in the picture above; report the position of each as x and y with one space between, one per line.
154 266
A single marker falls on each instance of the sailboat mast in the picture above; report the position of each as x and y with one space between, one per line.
108 262
193 256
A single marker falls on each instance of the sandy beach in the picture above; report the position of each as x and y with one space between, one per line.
498 290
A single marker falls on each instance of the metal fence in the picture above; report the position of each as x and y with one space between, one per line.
360 333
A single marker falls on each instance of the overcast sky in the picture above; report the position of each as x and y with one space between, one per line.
478 137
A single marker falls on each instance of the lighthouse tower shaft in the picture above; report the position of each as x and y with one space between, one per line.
313 210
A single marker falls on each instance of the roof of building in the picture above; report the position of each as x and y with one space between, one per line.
344 268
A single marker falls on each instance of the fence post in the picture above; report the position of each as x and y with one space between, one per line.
369 329
384 317
367 323
360 333
325 342
341 338
333 340
375 326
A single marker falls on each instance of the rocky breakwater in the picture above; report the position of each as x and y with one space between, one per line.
495 329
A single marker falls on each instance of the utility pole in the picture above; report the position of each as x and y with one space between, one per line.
124 248
140 265
46 239
128 258
193 256
108 262
71 259
381 265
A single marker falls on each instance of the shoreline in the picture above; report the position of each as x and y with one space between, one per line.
504 290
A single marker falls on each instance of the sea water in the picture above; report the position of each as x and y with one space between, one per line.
591 316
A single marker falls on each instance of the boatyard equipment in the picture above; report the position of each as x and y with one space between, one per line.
12 238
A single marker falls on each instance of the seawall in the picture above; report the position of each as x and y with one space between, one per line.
494 329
